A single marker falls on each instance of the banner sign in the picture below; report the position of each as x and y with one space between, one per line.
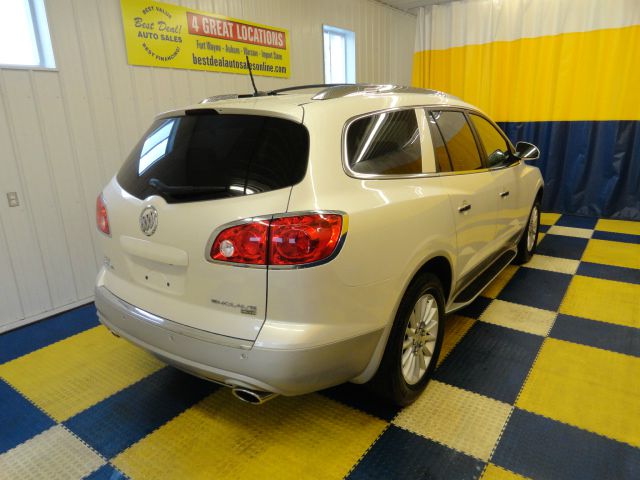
164 35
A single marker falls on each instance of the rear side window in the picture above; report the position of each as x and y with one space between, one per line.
494 143
207 155
459 140
385 144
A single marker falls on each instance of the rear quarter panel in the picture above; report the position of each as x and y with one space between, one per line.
395 226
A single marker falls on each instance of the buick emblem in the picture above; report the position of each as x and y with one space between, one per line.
149 220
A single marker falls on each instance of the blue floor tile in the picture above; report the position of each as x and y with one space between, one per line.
106 472
32 337
537 447
124 418
616 237
363 399
544 228
19 419
491 360
576 221
561 246
536 288
476 308
608 336
609 272
399 454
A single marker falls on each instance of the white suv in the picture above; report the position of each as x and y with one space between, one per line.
291 241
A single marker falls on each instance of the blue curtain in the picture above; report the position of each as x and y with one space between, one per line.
589 167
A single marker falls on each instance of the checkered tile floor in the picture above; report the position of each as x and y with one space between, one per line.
540 378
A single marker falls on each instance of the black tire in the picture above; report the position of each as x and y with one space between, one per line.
525 250
389 381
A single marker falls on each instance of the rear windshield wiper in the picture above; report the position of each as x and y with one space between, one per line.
185 190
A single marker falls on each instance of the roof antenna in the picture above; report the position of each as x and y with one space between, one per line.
255 90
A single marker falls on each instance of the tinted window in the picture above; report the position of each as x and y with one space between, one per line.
439 147
458 137
494 143
207 155
385 144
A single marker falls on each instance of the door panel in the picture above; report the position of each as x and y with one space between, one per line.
471 190
497 153
473 206
508 222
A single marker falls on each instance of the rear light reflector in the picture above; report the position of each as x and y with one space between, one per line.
295 240
102 219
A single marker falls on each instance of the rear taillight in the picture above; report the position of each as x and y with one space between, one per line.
102 219
304 238
245 243
281 241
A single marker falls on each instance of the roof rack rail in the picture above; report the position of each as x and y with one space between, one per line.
306 87
367 88
232 96
335 90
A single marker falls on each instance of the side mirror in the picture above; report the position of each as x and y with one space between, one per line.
527 151
498 159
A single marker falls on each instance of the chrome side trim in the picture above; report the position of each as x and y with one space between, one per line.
343 235
107 300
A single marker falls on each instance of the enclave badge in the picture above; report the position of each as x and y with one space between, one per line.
149 220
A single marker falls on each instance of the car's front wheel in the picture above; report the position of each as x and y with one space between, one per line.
414 342
529 240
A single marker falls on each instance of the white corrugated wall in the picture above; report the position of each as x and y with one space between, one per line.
64 133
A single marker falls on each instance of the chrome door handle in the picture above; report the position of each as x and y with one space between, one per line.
504 194
464 208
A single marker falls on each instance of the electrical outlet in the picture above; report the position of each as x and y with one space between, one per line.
12 198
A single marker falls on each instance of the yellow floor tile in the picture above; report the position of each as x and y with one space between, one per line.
570 231
462 420
493 472
619 226
53 454
604 300
549 218
69 376
496 286
296 437
519 317
454 329
554 264
596 390
612 253
540 237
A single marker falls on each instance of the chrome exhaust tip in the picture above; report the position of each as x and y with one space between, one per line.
254 397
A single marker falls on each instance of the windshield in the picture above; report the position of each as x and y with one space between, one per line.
206 155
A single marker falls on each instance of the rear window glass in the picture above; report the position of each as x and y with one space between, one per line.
207 155
385 144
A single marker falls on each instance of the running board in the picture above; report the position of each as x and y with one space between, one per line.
475 288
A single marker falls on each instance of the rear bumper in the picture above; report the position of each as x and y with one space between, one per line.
237 362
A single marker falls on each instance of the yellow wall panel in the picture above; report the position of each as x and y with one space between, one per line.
571 76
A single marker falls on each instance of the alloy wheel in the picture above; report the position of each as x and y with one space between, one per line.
420 339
